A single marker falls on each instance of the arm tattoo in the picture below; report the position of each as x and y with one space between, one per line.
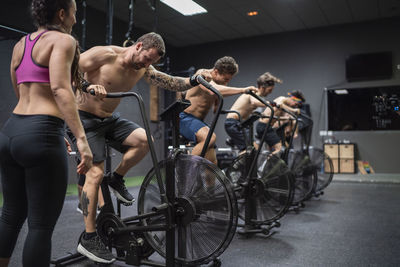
163 80
85 204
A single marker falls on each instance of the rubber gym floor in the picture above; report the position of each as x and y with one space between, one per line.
355 223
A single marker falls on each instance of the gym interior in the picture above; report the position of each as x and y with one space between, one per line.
340 208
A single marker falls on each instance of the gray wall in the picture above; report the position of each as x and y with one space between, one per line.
311 61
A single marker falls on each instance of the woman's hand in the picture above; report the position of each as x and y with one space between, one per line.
69 148
86 156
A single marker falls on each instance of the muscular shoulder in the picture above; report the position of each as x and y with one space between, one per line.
60 39
19 46
103 51
58 42
202 70
279 100
17 52
243 100
96 57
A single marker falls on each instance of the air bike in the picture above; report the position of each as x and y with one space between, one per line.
300 162
187 210
264 186
312 158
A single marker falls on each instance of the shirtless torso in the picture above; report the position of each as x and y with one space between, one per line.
201 100
111 67
245 105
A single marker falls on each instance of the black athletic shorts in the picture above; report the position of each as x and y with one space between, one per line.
98 130
235 132
271 138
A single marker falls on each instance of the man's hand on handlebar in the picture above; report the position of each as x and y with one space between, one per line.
206 74
97 90
248 89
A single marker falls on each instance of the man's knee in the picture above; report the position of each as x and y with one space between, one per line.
138 140
201 136
94 176
144 144
141 145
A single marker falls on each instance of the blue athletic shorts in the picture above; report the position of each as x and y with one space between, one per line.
189 125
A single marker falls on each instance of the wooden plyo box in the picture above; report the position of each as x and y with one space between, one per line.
346 151
342 156
335 163
347 166
332 150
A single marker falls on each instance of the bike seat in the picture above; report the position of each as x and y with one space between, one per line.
184 141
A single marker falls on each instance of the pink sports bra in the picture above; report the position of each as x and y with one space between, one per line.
28 70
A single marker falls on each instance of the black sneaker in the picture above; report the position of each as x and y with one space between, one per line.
95 250
120 191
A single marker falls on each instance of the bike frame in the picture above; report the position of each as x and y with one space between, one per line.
168 195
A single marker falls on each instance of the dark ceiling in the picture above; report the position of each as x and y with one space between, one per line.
227 19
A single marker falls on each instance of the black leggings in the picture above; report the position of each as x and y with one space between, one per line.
34 176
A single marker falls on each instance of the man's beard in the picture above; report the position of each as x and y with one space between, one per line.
220 82
137 66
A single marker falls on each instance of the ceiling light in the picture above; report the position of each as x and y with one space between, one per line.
341 92
252 13
185 7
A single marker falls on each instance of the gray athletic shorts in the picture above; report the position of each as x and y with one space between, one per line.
112 130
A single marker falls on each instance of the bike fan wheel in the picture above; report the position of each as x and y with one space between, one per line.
205 208
272 191
324 167
304 175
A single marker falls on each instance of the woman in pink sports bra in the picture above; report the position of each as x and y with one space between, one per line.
33 162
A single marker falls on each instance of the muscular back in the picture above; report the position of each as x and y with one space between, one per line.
52 48
245 105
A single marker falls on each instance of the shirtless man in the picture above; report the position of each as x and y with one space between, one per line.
292 103
116 69
192 125
245 105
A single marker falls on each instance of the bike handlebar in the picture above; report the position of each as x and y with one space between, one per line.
249 92
232 111
112 95
207 85
200 79
284 109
